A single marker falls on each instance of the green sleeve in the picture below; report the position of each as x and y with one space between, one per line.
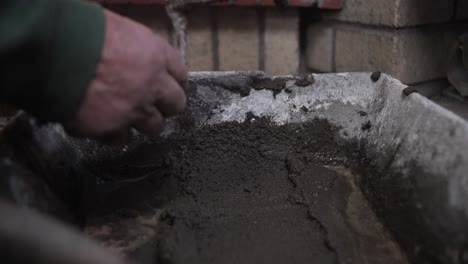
49 50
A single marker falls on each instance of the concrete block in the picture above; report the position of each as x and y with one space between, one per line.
422 55
199 40
238 38
319 49
364 50
395 13
418 12
410 55
281 42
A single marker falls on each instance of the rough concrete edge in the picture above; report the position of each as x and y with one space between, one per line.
326 96
414 131
424 125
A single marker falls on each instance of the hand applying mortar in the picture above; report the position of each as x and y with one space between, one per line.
138 83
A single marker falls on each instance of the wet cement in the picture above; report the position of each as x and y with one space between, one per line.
236 193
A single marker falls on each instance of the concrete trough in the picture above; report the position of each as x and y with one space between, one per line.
415 152
331 168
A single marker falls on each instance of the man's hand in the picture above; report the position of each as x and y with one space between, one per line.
139 81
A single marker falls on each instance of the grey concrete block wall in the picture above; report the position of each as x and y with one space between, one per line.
319 53
281 53
199 36
230 38
394 13
364 50
410 55
423 54
238 39
411 40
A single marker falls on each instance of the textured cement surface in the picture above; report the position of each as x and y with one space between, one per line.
250 192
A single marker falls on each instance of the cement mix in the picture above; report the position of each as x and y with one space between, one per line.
244 193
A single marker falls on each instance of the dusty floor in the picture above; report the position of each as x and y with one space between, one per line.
236 193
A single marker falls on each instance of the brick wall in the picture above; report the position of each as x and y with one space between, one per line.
231 38
409 39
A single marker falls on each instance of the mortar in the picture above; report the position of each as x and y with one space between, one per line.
332 168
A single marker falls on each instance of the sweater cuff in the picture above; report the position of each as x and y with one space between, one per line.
76 50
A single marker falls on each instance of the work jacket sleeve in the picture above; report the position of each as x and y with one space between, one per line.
49 50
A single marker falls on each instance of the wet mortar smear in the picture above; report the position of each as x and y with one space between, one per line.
236 193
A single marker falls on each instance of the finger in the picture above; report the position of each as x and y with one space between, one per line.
171 97
176 66
152 124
